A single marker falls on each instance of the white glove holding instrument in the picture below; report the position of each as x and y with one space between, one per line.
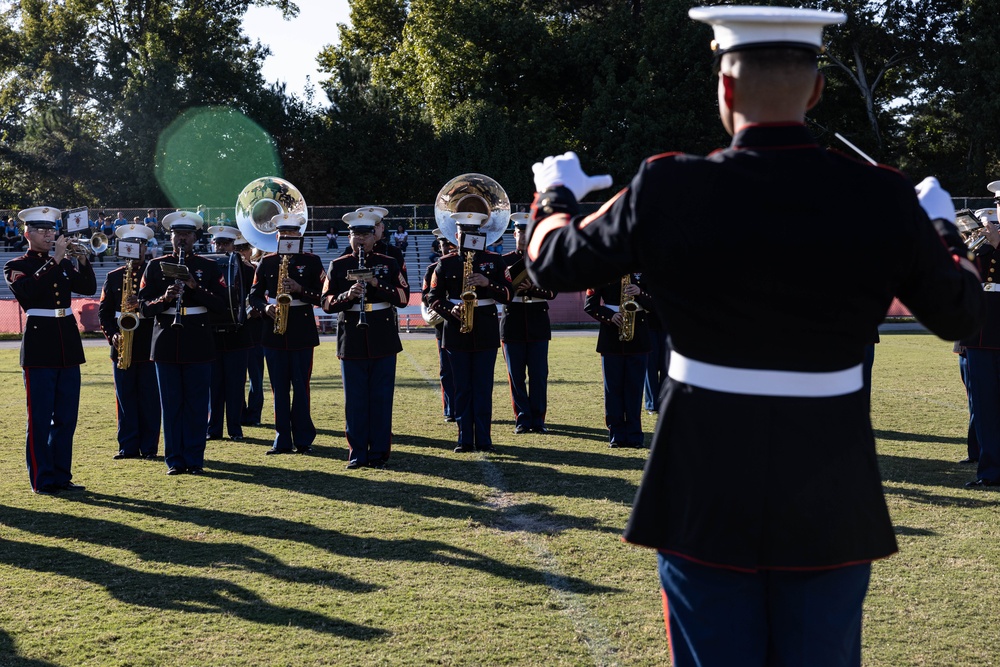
565 170
935 200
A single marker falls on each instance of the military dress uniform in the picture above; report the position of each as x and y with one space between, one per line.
656 363
623 363
51 354
183 356
525 333
137 392
289 356
735 503
445 376
367 354
473 354
254 324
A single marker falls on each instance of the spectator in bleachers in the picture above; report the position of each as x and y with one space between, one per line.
400 238
120 220
154 224
331 239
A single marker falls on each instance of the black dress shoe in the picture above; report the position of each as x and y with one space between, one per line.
540 430
377 464
303 450
489 449
968 460
615 445
70 486
176 471
351 465
46 490
237 438
981 483
195 471
451 420
209 436
274 451
462 449
521 429
122 455
149 457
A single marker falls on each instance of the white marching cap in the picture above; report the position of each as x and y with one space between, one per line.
182 220
223 232
742 27
134 231
240 239
42 217
469 218
362 220
987 214
520 219
993 186
377 210
288 221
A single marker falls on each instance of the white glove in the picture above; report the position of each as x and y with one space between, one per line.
935 200
565 170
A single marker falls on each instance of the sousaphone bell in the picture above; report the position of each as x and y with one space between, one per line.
261 200
472 193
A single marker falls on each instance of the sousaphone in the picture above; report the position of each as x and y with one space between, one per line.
261 200
472 193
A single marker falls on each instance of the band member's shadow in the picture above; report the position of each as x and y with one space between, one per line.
10 658
577 431
337 542
185 593
916 474
902 436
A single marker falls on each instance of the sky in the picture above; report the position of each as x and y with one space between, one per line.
296 43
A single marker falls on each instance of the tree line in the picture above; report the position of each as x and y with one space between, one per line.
422 90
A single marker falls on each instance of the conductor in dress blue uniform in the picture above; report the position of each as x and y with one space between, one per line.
232 347
51 350
623 357
137 392
182 346
363 288
764 544
472 354
254 405
525 332
445 376
289 355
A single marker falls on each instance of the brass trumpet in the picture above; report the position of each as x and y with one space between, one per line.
96 244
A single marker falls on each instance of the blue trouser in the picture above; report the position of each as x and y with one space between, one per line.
656 370
984 391
290 371
528 361
624 375
866 372
255 376
229 377
474 395
972 442
769 618
447 382
137 396
368 389
53 403
184 400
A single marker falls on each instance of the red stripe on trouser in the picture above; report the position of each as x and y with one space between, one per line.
666 623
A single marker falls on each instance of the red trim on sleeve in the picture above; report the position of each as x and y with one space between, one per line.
542 229
601 211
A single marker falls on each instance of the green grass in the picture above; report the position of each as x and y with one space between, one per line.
441 559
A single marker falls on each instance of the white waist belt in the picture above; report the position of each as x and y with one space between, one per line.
527 299
137 315
50 312
991 287
617 309
486 302
381 305
755 382
293 302
186 310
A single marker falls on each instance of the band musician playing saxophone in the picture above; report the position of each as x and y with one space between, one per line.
130 336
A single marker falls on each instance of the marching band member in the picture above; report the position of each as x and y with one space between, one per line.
764 544
229 370
623 356
289 353
445 376
472 354
51 349
525 333
254 404
182 345
382 245
367 339
137 392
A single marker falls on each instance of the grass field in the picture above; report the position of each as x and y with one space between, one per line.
441 559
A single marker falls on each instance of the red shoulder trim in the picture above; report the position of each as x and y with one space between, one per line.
660 156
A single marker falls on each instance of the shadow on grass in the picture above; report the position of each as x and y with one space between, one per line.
333 541
901 436
940 475
184 593
9 657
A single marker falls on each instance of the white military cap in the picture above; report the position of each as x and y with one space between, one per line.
378 210
520 219
240 239
362 220
40 217
223 232
994 187
182 220
135 232
470 219
289 222
987 214
745 27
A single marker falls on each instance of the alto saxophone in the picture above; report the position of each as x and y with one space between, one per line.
628 308
128 321
467 309
283 299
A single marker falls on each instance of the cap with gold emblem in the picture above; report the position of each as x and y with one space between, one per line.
40 217
289 222
182 220
363 220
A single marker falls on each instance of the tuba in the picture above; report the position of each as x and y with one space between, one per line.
628 308
128 321
262 199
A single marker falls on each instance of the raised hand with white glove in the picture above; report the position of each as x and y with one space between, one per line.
565 170
935 200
